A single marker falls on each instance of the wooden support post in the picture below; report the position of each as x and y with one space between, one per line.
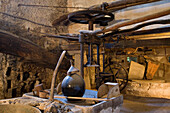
81 38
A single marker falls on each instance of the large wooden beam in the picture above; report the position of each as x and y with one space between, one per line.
28 51
140 43
149 31
132 31
150 36
143 36
130 44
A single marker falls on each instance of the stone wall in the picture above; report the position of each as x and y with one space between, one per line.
17 17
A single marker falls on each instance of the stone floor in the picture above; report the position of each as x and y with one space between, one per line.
132 104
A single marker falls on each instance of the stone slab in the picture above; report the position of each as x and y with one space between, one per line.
148 89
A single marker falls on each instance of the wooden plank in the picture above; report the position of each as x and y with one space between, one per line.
150 36
87 73
132 30
71 47
28 51
151 70
149 31
94 99
129 33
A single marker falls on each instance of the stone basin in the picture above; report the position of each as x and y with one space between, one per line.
112 106
18 108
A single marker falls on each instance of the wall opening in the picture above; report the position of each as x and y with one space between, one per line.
8 72
26 75
8 84
18 77
23 90
32 86
14 92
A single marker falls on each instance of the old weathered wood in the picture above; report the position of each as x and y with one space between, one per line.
72 47
149 31
66 37
150 36
83 98
151 70
132 31
87 73
133 21
28 51
144 24
55 74
162 40
140 43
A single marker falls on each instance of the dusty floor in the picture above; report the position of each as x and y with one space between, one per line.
133 104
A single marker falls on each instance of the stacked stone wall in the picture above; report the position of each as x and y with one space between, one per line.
17 17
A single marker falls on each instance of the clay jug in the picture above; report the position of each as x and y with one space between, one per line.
73 84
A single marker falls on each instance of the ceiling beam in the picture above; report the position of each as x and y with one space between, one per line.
139 43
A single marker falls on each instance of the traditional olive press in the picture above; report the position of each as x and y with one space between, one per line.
73 84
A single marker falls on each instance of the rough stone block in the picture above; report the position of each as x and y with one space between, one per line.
148 89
